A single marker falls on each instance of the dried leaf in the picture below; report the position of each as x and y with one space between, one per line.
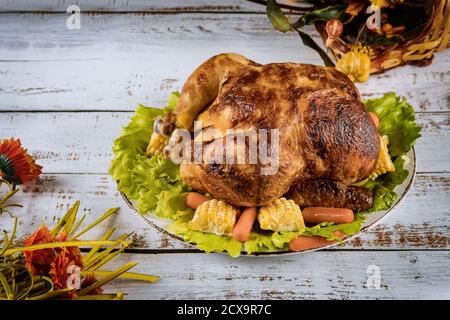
325 14
277 17
308 41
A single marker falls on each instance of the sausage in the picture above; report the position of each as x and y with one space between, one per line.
303 243
326 193
194 199
315 215
238 211
375 119
244 225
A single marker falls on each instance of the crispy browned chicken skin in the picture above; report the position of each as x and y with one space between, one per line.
325 132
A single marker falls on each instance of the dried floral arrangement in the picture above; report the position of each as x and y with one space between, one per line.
368 36
49 263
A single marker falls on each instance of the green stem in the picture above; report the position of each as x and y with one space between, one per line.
50 294
8 244
59 245
6 287
107 296
126 275
107 278
109 213
94 250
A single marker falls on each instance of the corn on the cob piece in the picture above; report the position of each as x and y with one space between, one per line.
156 144
384 164
281 215
214 216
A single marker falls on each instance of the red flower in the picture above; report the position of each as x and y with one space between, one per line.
38 261
60 270
16 165
73 253
90 279
54 262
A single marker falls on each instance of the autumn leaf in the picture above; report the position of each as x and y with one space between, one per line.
277 17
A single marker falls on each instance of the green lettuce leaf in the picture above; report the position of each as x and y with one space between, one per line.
269 241
155 182
206 241
397 121
172 204
279 241
383 187
327 229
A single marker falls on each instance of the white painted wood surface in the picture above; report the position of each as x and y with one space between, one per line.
169 6
317 275
66 94
131 5
117 61
90 151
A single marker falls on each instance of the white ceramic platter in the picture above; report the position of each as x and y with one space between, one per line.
372 219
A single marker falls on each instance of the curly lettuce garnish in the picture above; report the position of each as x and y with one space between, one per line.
397 121
155 182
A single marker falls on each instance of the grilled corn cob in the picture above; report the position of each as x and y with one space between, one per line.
156 144
214 216
384 164
281 215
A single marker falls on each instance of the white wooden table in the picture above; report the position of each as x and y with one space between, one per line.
66 94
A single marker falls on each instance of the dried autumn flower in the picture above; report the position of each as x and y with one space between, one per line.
334 29
73 253
59 273
50 265
16 165
38 261
385 3
355 63
54 262
354 7
87 281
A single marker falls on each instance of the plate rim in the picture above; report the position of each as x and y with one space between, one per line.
284 253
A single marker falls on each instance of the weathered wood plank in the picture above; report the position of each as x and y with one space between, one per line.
81 142
118 60
318 275
421 221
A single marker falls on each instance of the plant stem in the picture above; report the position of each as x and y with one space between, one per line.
59 245
283 6
126 275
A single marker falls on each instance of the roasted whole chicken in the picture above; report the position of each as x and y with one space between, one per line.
327 140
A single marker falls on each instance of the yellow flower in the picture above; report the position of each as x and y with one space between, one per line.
385 3
355 63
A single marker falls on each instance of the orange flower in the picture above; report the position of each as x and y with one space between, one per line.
54 262
73 253
38 261
90 279
59 269
334 29
354 7
16 165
